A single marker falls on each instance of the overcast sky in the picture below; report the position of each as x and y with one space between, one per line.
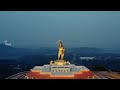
75 28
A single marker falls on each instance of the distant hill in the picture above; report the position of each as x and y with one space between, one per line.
39 59
112 50
11 52
4 47
86 50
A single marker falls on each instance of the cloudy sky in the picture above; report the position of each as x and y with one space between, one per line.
75 28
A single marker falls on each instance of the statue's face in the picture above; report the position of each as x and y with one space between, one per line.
60 44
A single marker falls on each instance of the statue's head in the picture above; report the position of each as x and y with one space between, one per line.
60 44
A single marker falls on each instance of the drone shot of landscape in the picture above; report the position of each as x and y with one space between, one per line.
82 44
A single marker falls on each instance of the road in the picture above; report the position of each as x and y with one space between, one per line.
20 75
104 74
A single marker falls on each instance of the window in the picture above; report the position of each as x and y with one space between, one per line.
68 70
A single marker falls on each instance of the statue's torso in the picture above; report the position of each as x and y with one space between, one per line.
61 50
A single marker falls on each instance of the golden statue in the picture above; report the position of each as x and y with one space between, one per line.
61 50
60 60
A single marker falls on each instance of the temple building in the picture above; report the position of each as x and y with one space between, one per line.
60 69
